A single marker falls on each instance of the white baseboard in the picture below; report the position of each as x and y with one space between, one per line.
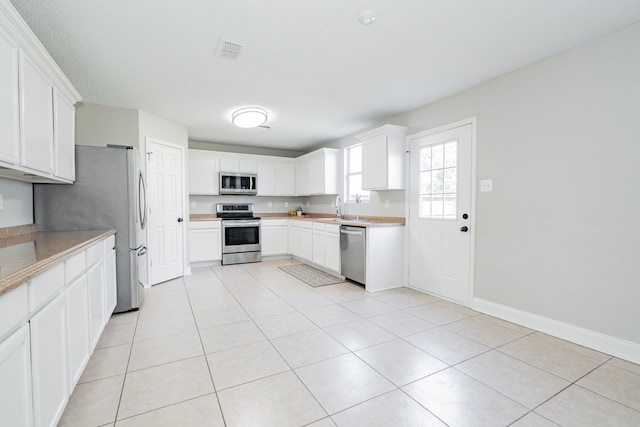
617 347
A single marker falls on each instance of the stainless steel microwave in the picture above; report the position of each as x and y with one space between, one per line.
238 183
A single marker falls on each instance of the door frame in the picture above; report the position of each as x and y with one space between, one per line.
473 121
186 270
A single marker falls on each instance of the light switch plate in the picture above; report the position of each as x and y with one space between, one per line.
286 204
486 185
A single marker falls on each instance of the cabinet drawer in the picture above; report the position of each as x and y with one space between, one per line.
44 286
74 266
306 224
95 253
332 228
318 226
202 225
14 309
294 223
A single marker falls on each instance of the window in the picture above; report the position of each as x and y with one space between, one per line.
353 168
438 174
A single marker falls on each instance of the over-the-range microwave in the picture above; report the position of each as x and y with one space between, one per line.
238 183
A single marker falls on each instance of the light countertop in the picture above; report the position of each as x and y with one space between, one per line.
362 221
25 255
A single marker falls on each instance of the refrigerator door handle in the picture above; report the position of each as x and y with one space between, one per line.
142 202
142 251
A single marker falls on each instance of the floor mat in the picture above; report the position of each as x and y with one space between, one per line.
311 276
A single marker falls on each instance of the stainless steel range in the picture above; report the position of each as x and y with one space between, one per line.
240 233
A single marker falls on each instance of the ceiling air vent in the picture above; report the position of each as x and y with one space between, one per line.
229 49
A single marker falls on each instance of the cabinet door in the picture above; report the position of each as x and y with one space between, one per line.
77 309
294 240
205 245
49 363
267 177
318 247
332 251
15 379
306 243
285 179
64 138
110 284
9 102
37 118
316 175
274 240
374 163
95 277
203 174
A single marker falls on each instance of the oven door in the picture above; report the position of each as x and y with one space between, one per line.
240 236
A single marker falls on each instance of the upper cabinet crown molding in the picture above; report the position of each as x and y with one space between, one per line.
383 158
26 39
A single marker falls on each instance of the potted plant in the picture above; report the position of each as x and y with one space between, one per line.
299 210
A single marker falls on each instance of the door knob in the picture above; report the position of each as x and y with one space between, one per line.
464 229
180 219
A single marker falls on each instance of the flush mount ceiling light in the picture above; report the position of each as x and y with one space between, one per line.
367 17
249 117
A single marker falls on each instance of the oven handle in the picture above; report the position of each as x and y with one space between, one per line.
231 223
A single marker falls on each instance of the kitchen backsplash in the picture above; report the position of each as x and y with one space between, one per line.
316 204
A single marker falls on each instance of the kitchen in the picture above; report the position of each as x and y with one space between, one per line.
554 245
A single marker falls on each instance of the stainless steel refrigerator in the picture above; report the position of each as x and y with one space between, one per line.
109 192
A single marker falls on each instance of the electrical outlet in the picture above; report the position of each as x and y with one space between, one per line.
333 204
307 205
286 204
386 203
270 204
1 202
193 205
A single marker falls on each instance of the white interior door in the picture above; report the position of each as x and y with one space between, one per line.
440 216
166 211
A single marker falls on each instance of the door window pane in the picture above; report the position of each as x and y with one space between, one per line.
438 176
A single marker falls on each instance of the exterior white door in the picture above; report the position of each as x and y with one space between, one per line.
440 216
166 211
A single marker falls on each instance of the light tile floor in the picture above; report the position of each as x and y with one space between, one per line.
248 345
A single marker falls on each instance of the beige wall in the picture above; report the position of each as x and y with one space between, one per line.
100 125
559 236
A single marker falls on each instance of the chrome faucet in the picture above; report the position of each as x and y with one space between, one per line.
338 207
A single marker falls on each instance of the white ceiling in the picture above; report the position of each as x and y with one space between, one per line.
320 73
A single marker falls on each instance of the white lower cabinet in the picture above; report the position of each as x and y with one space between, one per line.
295 235
15 379
274 237
306 240
332 247
78 345
205 241
49 327
318 243
110 284
49 363
97 306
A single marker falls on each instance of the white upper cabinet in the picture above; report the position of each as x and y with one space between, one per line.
64 137
204 172
37 114
383 153
276 176
318 172
9 101
238 163
36 96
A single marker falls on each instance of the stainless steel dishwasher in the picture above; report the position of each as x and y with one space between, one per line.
352 253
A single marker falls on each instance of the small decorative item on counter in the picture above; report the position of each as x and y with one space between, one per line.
292 212
299 210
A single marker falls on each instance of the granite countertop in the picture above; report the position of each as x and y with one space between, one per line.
361 221
25 252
